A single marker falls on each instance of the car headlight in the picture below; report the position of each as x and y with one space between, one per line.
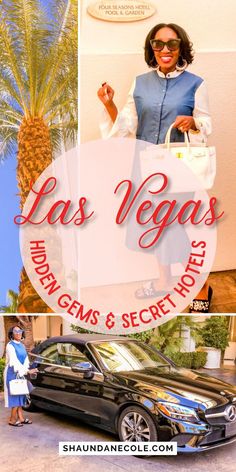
178 412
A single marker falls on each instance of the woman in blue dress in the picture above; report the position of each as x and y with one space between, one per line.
17 364
168 94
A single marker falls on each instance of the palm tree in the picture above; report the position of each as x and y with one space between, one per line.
38 95
24 321
12 298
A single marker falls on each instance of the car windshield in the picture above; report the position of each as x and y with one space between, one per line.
120 356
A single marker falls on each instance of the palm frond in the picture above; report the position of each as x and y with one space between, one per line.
38 61
8 60
12 298
8 142
62 55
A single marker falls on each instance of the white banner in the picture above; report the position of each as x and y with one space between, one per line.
88 448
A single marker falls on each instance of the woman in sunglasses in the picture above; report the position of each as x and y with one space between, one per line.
17 364
168 94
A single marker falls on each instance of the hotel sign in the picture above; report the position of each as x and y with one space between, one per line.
121 10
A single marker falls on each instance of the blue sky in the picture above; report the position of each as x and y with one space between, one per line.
9 234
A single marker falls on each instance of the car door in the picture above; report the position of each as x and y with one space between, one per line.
57 387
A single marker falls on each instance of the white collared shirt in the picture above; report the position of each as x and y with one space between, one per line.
126 122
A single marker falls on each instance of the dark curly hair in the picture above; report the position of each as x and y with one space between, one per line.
10 332
186 47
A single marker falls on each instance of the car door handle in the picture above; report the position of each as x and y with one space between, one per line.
33 376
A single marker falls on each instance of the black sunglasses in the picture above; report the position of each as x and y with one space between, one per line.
158 45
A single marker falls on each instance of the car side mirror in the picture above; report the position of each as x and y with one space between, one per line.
85 368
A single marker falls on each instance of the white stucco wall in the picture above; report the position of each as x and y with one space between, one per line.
210 24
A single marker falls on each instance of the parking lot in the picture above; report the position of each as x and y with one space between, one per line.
35 448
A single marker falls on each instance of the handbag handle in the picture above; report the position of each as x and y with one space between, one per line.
168 134
18 376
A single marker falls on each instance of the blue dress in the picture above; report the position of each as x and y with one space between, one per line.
11 373
158 102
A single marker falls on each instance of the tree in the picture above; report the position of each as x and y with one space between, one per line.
215 332
12 298
24 321
38 95
167 337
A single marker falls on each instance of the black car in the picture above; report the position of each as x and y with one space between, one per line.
127 387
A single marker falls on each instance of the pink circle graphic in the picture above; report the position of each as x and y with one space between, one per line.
118 236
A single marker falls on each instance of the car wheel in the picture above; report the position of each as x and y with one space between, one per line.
135 424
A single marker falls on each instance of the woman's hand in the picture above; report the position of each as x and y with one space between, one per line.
32 371
184 123
106 94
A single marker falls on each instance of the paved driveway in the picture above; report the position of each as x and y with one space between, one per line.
227 374
35 448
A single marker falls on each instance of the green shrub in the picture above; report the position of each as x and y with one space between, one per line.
182 359
198 359
215 332
2 365
144 336
189 360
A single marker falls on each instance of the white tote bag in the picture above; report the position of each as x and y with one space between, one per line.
18 386
200 158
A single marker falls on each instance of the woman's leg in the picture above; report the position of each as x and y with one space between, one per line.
21 417
203 294
14 415
164 281
201 303
20 414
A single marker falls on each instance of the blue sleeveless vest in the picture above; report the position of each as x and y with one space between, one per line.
160 100
21 353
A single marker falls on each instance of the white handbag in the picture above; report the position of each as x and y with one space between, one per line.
18 386
200 158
